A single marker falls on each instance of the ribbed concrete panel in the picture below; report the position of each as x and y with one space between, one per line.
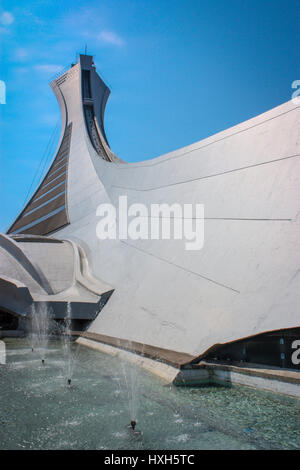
53 190
29 218
45 189
48 196
48 225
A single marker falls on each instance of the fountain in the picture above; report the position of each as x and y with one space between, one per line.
66 338
32 336
133 424
2 353
96 417
130 372
40 328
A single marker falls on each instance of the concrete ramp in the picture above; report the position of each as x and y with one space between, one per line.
40 270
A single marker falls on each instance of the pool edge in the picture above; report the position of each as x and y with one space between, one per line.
205 373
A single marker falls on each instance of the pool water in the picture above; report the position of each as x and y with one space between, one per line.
38 410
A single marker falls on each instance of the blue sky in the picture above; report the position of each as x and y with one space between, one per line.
179 71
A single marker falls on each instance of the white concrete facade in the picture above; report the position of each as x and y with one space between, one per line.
245 280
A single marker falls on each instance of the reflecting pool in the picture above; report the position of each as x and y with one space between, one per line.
39 410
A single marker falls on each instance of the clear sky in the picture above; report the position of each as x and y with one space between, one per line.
178 70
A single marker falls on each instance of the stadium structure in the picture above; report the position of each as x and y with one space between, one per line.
230 308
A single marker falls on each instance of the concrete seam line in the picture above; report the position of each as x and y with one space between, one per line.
181 267
210 143
207 176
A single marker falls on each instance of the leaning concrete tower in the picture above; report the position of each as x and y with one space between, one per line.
235 299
